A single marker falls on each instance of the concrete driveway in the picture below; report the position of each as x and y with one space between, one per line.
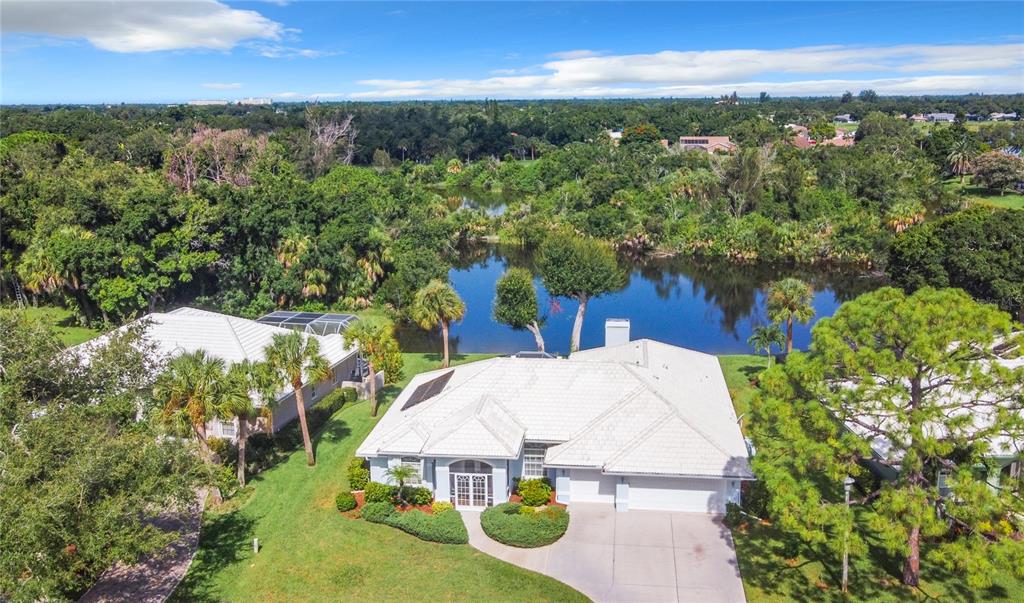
633 557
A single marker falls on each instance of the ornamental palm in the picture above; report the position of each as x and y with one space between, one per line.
961 157
295 359
194 389
790 300
764 337
438 303
258 382
401 474
375 340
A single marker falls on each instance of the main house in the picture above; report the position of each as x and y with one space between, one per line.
234 339
637 424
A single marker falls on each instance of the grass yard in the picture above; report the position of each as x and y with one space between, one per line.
740 370
976 194
64 324
311 553
774 570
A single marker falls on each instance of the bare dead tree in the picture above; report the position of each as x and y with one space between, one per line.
221 156
326 132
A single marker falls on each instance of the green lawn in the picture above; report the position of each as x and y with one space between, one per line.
740 370
976 194
311 553
64 324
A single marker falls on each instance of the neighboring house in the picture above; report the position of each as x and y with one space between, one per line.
615 135
635 424
843 118
1003 116
1005 453
710 144
944 117
918 117
234 339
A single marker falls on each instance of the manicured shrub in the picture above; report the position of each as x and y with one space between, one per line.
509 524
417 495
378 492
358 474
345 501
440 506
446 527
377 512
535 492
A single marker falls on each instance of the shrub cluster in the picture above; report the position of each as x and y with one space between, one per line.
358 474
345 501
441 506
445 527
378 492
733 515
535 492
518 525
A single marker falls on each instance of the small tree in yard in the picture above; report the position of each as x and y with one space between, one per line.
400 474
376 342
581 269
295 359
789 300
256 379
925 378
764 337
438 304
998 171
515 303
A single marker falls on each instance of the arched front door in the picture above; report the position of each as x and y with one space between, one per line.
471 484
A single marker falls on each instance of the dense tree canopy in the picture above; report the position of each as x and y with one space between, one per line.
921 390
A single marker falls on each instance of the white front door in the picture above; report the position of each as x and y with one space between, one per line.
471 489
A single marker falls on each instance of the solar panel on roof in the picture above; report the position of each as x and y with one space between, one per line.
428 390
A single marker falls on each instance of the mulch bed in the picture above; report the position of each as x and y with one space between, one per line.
551 503
361 500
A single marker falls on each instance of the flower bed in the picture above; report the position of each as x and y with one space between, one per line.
526 527
445 526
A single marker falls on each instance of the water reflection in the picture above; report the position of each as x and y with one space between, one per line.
712 307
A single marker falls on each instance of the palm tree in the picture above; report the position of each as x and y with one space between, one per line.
315 283
375 340
258 381
291 249
790 300
961 157
904 214
764 337
438 303
401 474
295 359
192 390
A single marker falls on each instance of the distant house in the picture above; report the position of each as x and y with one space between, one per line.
918 117
1003 116
842 118
256 101
633 425
615 135
233 339
941 117
710 144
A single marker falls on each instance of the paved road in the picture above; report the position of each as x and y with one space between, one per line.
154 578
635 557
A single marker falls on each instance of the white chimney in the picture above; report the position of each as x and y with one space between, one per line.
616 331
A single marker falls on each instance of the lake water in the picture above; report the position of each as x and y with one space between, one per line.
711 307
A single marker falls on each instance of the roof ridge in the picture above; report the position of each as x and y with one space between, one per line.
491 430
600 418
658 424
234 335
675 410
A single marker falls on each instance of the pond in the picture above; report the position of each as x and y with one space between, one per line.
711 307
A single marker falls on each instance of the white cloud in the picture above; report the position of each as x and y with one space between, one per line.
121 26
280 51
907 69
574 54
222 85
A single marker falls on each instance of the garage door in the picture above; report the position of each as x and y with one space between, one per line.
677 494
591 486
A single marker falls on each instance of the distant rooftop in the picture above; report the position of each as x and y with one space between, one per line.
317 323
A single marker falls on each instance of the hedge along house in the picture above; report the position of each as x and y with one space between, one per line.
234 339
636 424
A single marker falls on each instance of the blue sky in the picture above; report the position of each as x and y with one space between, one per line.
162 51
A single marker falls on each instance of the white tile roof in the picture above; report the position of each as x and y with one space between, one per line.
229 338
642 407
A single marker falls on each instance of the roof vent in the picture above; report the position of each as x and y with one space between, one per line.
616 331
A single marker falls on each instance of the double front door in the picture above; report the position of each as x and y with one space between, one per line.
472 489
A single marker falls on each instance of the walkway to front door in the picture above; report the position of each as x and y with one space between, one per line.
634 557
